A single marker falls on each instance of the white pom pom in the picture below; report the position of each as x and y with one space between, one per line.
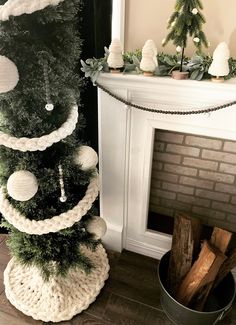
196 39
49 107
22 185
194 11
87 157
97 226
9 76
178 49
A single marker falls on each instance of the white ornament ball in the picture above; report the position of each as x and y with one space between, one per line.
49 107
194 11
196 39
22 185
86 157
173 24
178 49
9 75
97 226
163 41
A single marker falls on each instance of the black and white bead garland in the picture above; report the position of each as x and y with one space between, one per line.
49 106
63 197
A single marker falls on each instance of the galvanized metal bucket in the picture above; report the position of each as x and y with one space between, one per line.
219 303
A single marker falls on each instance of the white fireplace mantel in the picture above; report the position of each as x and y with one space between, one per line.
126 138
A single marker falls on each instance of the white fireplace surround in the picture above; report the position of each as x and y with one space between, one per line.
126 137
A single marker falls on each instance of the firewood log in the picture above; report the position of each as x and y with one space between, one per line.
186 238
203 272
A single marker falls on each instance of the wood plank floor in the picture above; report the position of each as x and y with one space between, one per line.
130 296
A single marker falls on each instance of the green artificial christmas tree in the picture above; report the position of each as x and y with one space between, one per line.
48 178
185 21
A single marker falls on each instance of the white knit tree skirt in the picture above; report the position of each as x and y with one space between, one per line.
60 298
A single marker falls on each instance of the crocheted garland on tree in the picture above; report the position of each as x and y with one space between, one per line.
54 224
19 7
60 298
45 141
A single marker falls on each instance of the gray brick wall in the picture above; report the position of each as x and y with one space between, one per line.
194 174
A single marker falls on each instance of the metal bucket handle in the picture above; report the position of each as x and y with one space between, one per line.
223 314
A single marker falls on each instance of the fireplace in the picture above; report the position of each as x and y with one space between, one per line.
195 175
126 142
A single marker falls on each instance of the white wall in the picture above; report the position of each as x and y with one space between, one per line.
147 19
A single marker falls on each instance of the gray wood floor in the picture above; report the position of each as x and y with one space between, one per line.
130 296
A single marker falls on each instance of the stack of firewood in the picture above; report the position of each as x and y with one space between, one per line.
197 266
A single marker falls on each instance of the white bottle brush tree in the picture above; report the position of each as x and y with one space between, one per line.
48 179
186 21
115 58
220 64
149 62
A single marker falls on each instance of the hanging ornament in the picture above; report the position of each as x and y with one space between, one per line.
63 197
86 157
22 185
194 11
97 226
9 75
49 106
178 49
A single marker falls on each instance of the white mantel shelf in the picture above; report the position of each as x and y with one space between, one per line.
126 138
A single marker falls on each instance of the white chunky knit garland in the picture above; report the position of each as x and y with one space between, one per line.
54 224
45 141
60 298
19 7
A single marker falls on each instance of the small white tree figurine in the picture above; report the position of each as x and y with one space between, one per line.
149 63
115 58
220 65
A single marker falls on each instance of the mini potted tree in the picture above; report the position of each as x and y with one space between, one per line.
186 20
149 63
219 67
115 58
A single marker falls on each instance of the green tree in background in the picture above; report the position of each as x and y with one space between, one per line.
186 20
45 47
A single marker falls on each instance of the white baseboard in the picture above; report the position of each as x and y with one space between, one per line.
113 239
145 249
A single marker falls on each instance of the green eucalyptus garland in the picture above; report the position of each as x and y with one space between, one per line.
197 65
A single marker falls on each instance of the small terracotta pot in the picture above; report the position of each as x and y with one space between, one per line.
180 75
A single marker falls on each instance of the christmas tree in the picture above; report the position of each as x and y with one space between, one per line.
48 178
186 20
